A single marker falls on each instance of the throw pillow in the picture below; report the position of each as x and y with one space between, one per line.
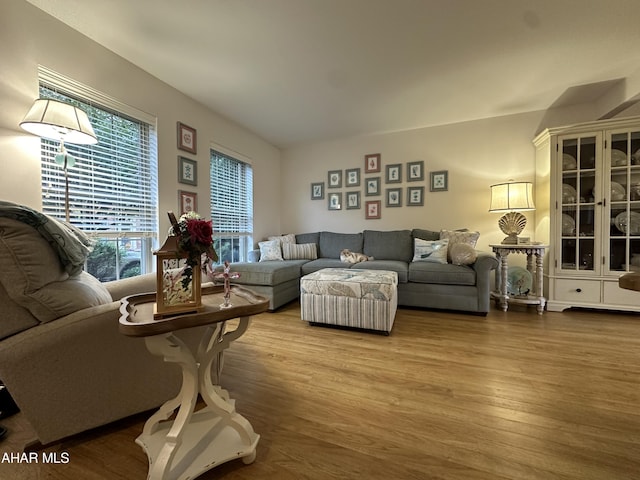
288 238
462 254
270 250
434 251
459 236
299 251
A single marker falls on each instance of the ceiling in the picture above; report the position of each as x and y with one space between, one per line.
298 71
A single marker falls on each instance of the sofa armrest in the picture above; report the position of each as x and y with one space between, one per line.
485 262
131 286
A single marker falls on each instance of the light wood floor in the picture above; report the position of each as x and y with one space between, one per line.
445 396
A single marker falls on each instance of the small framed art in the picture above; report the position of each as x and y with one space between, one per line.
439 181
372 163
394 173
187 139
187 171
352 177
188 201
372 209
317 191
335 179
415 171
353 200
415 196
335 201
394 197
372 186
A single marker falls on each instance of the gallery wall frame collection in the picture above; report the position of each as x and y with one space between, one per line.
187 167
395 196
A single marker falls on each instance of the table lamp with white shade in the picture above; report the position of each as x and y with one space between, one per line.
511 198
61 121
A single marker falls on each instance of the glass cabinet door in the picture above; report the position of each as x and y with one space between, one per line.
577 155
623 206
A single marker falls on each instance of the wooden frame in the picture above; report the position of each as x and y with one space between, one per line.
187 201
335 201
415 196
334 179
415 171
393 197
372 209
393 173
187 138
352 177
317 191
187 171
372 187
372 163
439 181
353 200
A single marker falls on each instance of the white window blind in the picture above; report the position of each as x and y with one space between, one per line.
113 186
232 206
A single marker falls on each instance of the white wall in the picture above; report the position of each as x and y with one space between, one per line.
30 37
476 154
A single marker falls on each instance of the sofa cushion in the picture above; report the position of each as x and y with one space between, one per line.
398 266
441 273
331 244
320 263
432 251
299 251
391 245
425 234
270 250
308 237
266 273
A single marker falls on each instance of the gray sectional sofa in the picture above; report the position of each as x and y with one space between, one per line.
420 284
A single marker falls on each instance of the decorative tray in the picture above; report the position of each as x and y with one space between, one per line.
136 311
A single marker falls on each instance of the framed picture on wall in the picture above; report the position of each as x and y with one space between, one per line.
439 181
187 138
353 200
415 196
188 201
352 177
335 178
335 201
187 171
372 186
317 191
372 209
394 197
394 173
372 163
415 171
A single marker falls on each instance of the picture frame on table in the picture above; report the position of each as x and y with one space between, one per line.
334 179
187 171
394 197
394 173
353 200
317 191
415 196
352 177
335 201
372 163
415 171
188 201
187 138
372 186
372 209
439 181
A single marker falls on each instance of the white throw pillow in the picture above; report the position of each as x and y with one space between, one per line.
270 250
434 251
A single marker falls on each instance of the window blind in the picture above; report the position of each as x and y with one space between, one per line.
231 195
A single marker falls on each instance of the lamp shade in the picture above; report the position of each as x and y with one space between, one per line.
511 197
59 121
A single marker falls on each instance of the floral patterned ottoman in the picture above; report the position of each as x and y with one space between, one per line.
357 298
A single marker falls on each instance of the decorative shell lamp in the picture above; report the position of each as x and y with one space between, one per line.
512 198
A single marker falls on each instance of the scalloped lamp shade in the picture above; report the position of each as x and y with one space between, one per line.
59 121
511 198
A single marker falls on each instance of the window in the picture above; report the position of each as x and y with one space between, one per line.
113 186
232 207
